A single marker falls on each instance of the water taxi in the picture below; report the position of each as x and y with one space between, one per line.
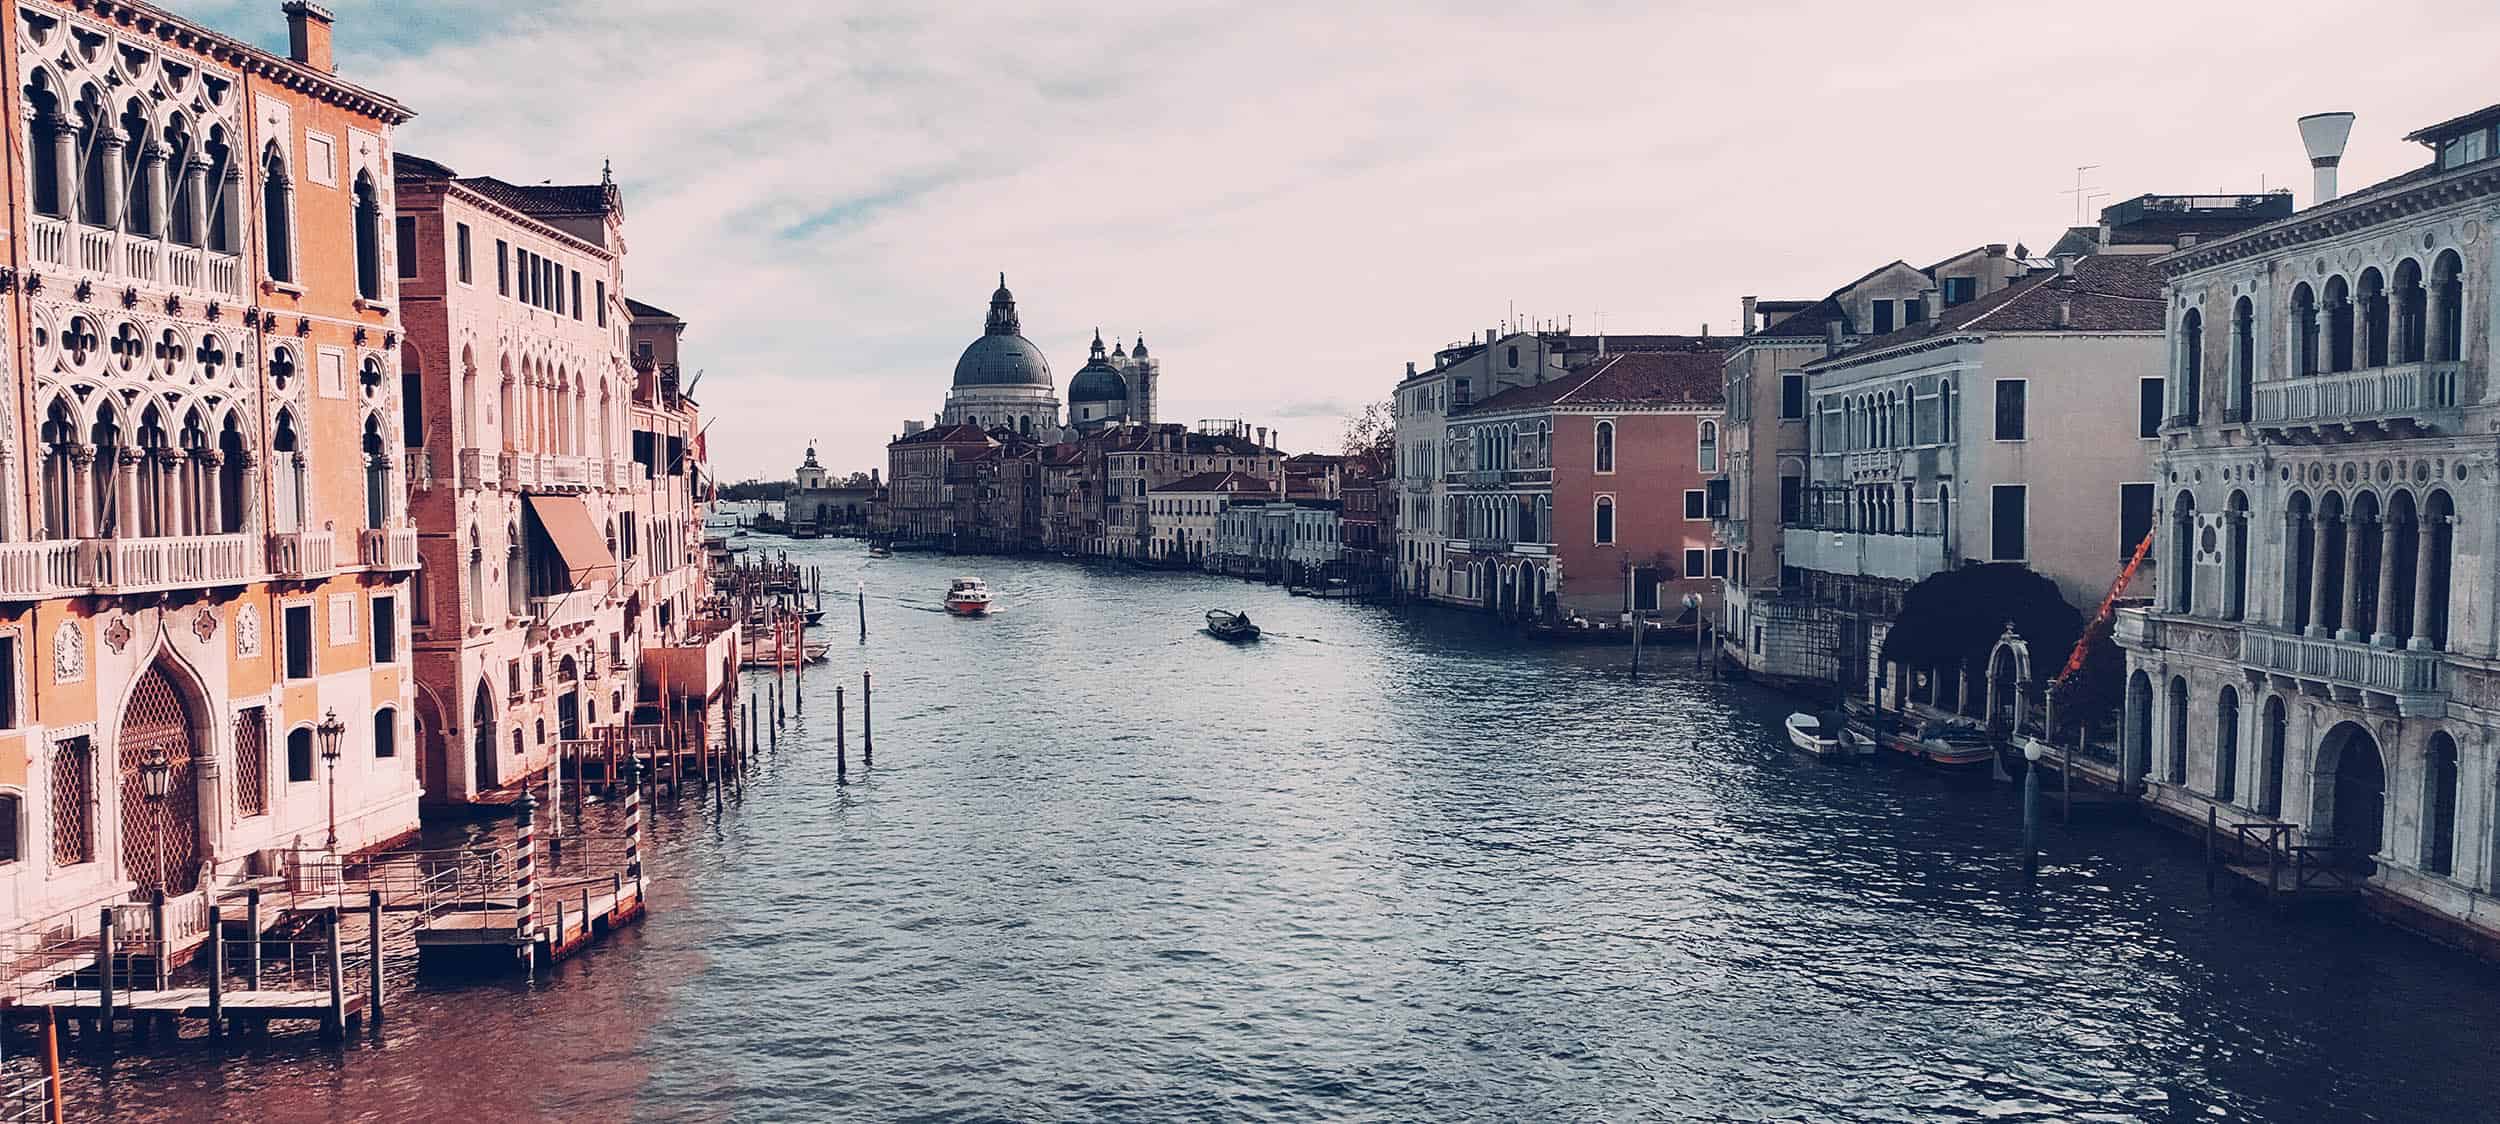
1954 744
968 597
1231 626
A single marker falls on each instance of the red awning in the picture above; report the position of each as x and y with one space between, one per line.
577 537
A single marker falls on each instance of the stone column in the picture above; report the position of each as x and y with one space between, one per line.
249 518
232 211
126 493
2470 862
65 158
2426 552
212 503
2384 636
2356 532
112 170
82 511
152 170
195 199
2318 569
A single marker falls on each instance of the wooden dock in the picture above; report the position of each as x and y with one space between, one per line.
161 1009
569 917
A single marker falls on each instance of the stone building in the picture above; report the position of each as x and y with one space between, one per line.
205 552
836 506
1181 514
1114 388
1002 381
517 349
667 494
2322 645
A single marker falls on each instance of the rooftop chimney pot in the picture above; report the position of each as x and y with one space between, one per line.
1831 337
2324 134
308 35
1744 324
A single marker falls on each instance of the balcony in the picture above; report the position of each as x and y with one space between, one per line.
51 240
132 565
1872 462
570 471
558 612
303 554
2409 394
2417 680
480 469
115 255
387 548
1900 557
34 570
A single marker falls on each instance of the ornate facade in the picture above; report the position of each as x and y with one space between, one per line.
2322 648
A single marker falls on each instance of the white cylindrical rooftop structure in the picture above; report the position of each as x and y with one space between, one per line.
2324 134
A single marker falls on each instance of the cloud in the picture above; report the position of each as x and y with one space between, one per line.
1291 200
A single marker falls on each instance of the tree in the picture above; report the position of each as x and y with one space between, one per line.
1953 618
1372 436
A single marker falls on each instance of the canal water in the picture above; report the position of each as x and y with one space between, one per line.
1383 865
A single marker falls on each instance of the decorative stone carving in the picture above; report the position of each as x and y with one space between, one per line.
117 632
204 623
69 653
247 632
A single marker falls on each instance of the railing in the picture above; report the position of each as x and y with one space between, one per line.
1904 557
1875 461
2406 390
42 569
2351 663
184 266
182 560
51 237
387 548
225 274
479 468
302 554
96 250
144 255
563 610
567 470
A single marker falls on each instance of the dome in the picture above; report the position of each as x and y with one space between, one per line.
1002 356
1098 381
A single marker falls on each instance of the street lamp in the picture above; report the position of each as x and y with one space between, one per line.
331 731
156 782
1692 604
2032 752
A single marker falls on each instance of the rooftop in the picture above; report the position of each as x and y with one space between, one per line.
1637 378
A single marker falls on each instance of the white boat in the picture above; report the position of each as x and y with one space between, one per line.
1805 731
968 597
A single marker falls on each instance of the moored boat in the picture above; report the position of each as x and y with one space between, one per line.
1806 732
1952 745
1231 626
968 597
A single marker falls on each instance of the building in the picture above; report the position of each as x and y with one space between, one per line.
1181 515
920 503
834 505
1761 486
205 578
1369 492
2321 648
1113 389
1957 437
1002 381
1137 459
1582 495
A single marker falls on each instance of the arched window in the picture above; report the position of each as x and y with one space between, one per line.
368 220
1947 420
53 135
12 822
2227 746
386 732
2180 582
286 472
2191 366
186 186
97 166
2235 582
1944 514
2439 525
102 497
2372 299
2439 806
2304 330
2412 326
1606 450
2243 356
277 212
377 475
2270 760
2300 551
299 754
2339 325
1605 520
2447 314
2177 772
143 169
225 195
59 435
1709 446
477 578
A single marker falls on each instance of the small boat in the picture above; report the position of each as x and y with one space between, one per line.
1231 626
968 597
1952 745
1805 731
1857 742
880 550
762 654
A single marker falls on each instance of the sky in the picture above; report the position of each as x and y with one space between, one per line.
1293 200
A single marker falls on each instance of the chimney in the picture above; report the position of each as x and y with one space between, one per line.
2065 265
2324 134
308 35
1262 431
1410 368
2065 312
1744 325
1996 249
1831 337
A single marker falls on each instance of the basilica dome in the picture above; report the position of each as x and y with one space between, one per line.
1002 356
1098 380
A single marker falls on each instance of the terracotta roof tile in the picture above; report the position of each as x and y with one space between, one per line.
1632 378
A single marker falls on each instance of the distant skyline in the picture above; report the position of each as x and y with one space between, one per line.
1293 200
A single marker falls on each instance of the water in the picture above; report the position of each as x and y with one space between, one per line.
1376 867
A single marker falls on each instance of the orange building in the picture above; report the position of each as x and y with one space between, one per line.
204 547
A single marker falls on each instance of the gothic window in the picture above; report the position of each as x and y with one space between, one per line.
286 472
277 213
368 219
52 133
1606 451
2191 366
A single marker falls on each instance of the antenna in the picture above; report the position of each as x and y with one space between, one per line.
2083 192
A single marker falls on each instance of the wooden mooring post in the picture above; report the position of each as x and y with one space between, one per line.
160 951
373 960
867 719
52 1067
251 939
336 1025
216 971
841 752
2210 817
525 886
105 954
863 612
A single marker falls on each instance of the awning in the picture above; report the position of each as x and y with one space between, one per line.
577 537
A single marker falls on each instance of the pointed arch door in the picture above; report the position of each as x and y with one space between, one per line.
160 839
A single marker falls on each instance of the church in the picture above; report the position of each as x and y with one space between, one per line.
1003 381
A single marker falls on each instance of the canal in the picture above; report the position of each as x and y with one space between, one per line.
1380 866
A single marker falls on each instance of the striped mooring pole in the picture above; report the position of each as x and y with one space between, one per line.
633 826
525 883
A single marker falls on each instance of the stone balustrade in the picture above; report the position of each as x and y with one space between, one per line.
303 554
2404 391
2408 674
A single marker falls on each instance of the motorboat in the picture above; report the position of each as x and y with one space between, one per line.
1231 626
1954 744
1806 732
761 652
968 597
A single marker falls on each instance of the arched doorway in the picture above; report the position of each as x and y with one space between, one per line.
568 704
2351 786
2139 736
2270 778
160 838
482 740
433 748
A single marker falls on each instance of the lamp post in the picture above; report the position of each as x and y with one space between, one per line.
156 782
331 731
1692 604
2031 806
